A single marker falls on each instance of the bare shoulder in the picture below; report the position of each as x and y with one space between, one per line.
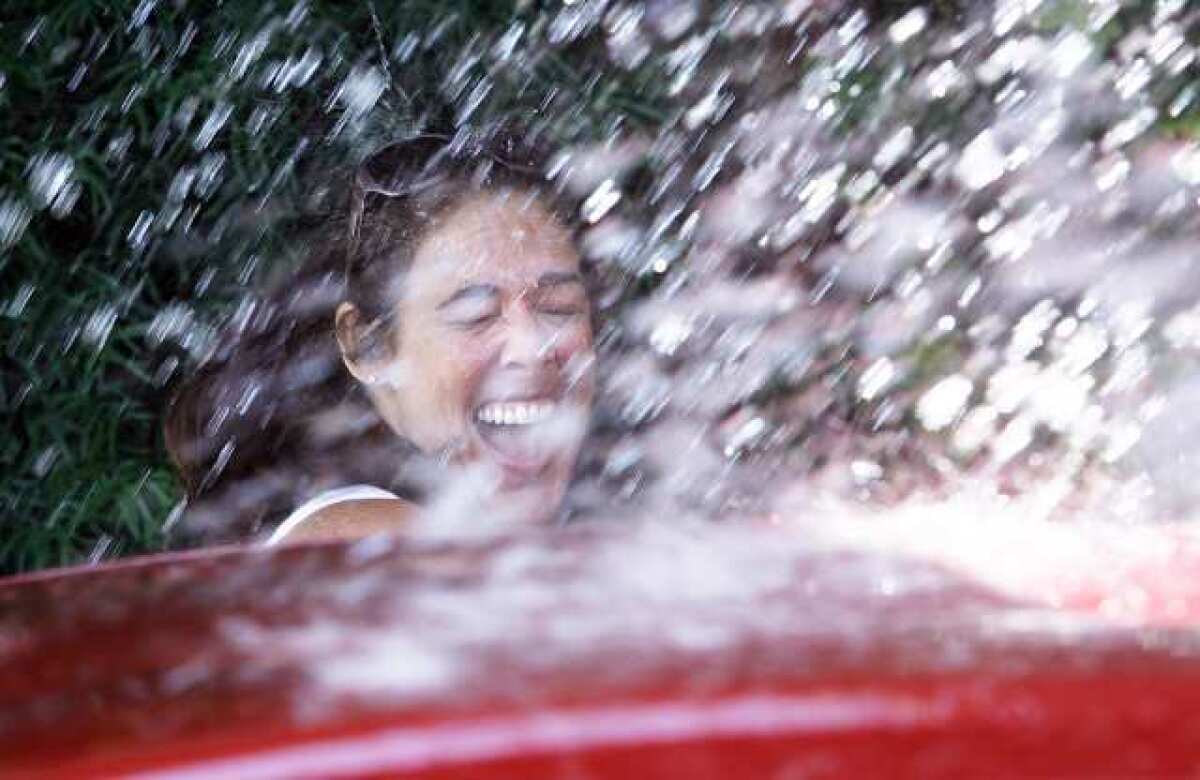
353 520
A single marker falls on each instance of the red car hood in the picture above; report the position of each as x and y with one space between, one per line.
627 652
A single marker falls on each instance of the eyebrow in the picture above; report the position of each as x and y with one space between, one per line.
556 278
471 291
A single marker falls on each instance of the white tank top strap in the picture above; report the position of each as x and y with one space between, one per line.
322 500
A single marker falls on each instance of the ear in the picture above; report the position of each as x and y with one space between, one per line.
363 362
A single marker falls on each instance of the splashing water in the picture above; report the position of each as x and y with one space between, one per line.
863 267
896 341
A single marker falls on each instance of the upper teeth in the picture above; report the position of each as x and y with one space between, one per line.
519 413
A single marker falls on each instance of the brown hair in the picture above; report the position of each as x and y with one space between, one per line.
272 415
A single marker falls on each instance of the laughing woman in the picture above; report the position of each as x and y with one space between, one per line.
440 345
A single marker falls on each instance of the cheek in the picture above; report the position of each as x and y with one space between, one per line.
573 341
456 367
574 351
442 373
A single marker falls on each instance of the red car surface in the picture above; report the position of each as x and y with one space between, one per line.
597 653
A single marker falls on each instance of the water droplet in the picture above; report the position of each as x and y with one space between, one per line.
976 430
671 18
16 306
1185 163
14 218
894 148
1072 50
820 193
50 178
601 201
982 162
743 431
141 13
941 404
359 93
248 53
208 174
216 119
506 45
1013 439
141 230
877 378
1010 13
1129 129
99 326
474 100
671 332
906 27
44 463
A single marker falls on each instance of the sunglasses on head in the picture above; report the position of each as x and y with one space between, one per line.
402 169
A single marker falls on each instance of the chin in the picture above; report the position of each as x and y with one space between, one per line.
535 503
528 448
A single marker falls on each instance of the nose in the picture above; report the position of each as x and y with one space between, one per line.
525 342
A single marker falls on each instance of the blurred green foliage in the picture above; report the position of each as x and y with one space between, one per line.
157 211
188 138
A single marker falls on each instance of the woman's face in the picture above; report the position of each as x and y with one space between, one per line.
493 349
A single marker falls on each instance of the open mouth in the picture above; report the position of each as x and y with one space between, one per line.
514 413
519 435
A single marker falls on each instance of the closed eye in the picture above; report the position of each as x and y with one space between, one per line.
471 312
472 306
567 310
475 320
561 301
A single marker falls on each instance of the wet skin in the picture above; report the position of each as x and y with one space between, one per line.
490 365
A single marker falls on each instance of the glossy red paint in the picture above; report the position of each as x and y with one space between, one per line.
185 666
